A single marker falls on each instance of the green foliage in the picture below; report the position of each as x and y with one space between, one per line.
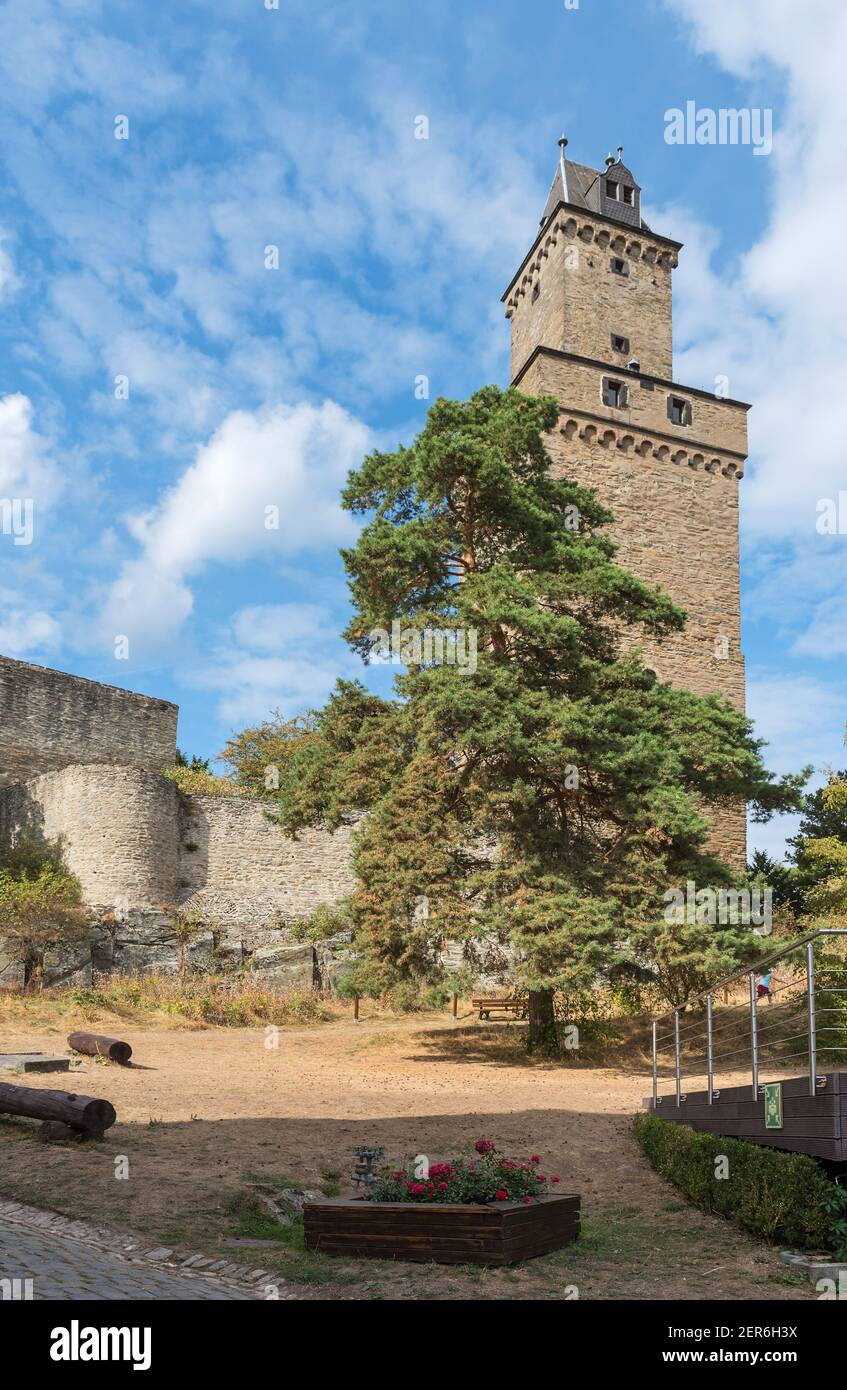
784 880
327 921
488 1177
783 1197
819 849
194 763
197 781
260 757
541 804
40 902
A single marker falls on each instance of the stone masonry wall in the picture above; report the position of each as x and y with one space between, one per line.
49 720
140 847
567 297
674 501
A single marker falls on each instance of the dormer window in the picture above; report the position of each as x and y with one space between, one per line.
628 195
611 189
679 411
614 393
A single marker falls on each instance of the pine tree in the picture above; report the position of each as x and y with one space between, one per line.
542 797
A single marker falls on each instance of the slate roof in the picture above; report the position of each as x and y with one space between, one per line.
580 185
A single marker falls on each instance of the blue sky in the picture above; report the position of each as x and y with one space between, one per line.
144 259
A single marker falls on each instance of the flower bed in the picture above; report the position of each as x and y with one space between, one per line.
488 1177
487 1210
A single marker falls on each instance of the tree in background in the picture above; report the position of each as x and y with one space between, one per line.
40 903
545 799
826 854
824 819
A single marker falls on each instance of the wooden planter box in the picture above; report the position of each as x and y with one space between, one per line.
501 1234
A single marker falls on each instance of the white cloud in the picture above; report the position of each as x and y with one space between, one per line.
25 632
266 484
26 469
284 656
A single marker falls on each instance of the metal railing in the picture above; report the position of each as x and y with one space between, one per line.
802 1017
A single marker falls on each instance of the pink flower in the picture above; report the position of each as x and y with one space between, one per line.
442 1186
527 1201
539 1177
555 1179
501 1196
417 1188
483 1146
535 1159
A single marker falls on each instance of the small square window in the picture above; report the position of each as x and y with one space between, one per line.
614 393
536 290
611 189
619 344
628 195
679 411
619 265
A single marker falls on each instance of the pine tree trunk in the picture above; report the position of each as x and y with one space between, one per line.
542 1035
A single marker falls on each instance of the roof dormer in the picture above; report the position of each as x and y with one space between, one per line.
619 196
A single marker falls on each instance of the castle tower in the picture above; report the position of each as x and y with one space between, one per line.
591 315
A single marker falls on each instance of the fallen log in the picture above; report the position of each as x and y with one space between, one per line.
80 1112
93 1045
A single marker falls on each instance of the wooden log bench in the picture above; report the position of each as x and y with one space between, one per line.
485 1005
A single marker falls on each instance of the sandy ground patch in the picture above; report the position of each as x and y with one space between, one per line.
202 1113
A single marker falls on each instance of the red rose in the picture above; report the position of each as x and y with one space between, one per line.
483 1146
527 1201
535 1159
502 1196
555 1179
443 1186
539 1177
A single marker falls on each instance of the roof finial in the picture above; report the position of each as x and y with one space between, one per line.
562 142
610 159
620 154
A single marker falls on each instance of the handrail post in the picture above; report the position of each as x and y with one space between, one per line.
810 1003
677 1072
754 1035
710 1063
655 1067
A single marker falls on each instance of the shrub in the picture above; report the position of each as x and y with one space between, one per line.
781 1196
488 1177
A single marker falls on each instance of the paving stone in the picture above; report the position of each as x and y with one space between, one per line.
62 1268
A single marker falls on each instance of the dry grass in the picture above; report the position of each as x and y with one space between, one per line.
195 1000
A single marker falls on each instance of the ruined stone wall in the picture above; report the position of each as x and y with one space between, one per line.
118 827
237 865
139 847
49 720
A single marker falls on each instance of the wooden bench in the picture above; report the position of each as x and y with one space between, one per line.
517 1007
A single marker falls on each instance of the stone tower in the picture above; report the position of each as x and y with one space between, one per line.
591 315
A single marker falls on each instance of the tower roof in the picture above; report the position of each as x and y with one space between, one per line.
583 187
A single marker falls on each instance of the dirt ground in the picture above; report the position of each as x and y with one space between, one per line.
203 1115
